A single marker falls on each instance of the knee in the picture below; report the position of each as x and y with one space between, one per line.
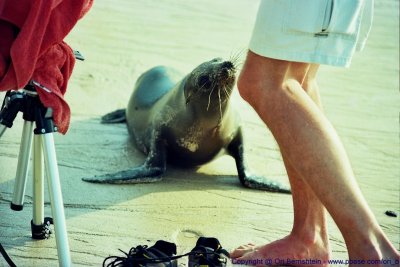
247 88
261 91
254 90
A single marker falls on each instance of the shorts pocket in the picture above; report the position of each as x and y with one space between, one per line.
323 17
346 16
308 17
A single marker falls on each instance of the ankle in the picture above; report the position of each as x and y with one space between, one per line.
310 239
311 234
373 247
312 243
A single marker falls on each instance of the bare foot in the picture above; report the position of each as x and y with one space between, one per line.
376 252
289 251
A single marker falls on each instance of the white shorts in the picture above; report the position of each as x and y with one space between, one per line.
312 31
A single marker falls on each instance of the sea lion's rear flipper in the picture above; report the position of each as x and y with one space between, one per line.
150 171
141 174
235 149
117 116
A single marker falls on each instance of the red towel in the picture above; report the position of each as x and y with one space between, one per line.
32 48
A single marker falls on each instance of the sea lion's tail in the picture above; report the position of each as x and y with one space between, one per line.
117 116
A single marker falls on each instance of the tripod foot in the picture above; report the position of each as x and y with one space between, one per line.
42 231
16 207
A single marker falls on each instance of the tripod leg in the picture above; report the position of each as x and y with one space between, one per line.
57 206
38 179
2 129
22 167
40 226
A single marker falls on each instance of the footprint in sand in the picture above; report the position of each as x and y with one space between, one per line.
185 239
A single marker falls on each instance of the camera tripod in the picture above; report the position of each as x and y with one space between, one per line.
27 101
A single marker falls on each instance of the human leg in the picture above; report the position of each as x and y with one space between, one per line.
311 146
308 238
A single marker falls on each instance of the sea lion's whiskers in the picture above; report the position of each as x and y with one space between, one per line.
209 97
227 93
235 58
223 89
239 64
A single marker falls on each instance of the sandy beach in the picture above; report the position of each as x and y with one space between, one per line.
122 39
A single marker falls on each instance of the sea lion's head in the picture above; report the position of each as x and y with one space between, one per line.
209 86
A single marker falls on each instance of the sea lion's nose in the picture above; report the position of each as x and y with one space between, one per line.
227 65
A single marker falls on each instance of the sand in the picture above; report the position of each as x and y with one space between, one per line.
120 40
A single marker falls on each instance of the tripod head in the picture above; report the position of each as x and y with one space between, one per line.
26 101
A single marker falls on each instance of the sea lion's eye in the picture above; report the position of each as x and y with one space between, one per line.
204 82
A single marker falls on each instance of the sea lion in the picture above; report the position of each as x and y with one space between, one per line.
187 121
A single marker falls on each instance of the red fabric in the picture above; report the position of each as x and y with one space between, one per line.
32 48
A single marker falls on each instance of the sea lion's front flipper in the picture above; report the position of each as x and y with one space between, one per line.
235 149
150 171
